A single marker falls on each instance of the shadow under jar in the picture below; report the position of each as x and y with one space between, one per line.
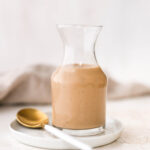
79 84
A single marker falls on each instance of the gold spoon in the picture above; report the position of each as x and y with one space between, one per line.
33 118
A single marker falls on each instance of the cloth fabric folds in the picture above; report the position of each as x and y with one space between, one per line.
32 85
26 85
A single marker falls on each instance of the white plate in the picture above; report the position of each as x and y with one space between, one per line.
42 139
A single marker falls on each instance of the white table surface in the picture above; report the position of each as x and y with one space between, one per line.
133 113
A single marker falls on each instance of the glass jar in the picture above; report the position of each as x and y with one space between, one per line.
79 84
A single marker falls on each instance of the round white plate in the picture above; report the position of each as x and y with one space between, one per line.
43 139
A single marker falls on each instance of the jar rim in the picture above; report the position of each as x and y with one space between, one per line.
78 26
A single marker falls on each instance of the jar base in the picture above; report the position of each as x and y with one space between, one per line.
86 132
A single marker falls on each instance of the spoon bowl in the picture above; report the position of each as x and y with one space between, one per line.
32 118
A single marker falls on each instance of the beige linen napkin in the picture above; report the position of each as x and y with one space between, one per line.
26 85
32 85
118 90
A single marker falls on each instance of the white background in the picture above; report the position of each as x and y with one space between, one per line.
28 34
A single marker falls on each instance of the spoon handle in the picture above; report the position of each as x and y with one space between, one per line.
67 138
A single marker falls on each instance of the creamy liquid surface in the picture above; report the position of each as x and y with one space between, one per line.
78 97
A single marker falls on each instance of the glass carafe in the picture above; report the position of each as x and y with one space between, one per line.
79 84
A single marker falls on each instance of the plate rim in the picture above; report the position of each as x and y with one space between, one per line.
114 136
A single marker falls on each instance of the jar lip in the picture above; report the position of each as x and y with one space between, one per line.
78 26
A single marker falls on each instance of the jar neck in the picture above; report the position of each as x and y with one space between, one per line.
79 43
74 55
